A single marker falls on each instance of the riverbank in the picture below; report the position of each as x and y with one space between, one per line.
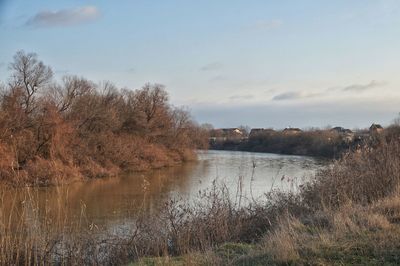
55 132
349 213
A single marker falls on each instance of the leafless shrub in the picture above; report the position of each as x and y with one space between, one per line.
93 129
365 176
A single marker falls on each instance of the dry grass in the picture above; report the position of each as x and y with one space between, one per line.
281 244
34 233
365 176
355 235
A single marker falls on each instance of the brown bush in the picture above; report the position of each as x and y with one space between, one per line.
364 176
81 127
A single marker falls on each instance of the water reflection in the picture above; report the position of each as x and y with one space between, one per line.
111 202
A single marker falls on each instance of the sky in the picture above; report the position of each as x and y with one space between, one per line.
261 63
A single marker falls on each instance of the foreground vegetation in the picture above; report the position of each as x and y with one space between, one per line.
51 132
347 214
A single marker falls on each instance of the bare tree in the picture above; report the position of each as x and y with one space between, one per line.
96 129
182 120
29 74
396 121
152 109
73 87
207 126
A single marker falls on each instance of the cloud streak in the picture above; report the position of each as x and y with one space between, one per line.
241 97
290 95
64 17
364 87
294 95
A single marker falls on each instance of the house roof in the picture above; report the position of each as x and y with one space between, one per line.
230 130
341 130
261 129
292 129
376 126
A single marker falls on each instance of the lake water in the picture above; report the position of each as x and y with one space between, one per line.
111 202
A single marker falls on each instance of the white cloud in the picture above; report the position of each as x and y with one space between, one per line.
64 17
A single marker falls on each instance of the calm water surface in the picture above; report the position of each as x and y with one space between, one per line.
111 202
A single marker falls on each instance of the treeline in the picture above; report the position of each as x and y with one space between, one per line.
52 131
315 142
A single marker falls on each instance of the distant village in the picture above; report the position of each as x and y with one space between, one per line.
329 142
242 134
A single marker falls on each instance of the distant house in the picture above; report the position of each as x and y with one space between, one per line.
254 132
348 131
341 130
291 130
346 134
375 128
224 134
233 131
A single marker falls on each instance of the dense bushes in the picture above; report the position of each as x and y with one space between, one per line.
51 131
370 174
324 143
313 142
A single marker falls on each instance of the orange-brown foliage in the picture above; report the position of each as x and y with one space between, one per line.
51 132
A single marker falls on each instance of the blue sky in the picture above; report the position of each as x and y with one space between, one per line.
260 63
